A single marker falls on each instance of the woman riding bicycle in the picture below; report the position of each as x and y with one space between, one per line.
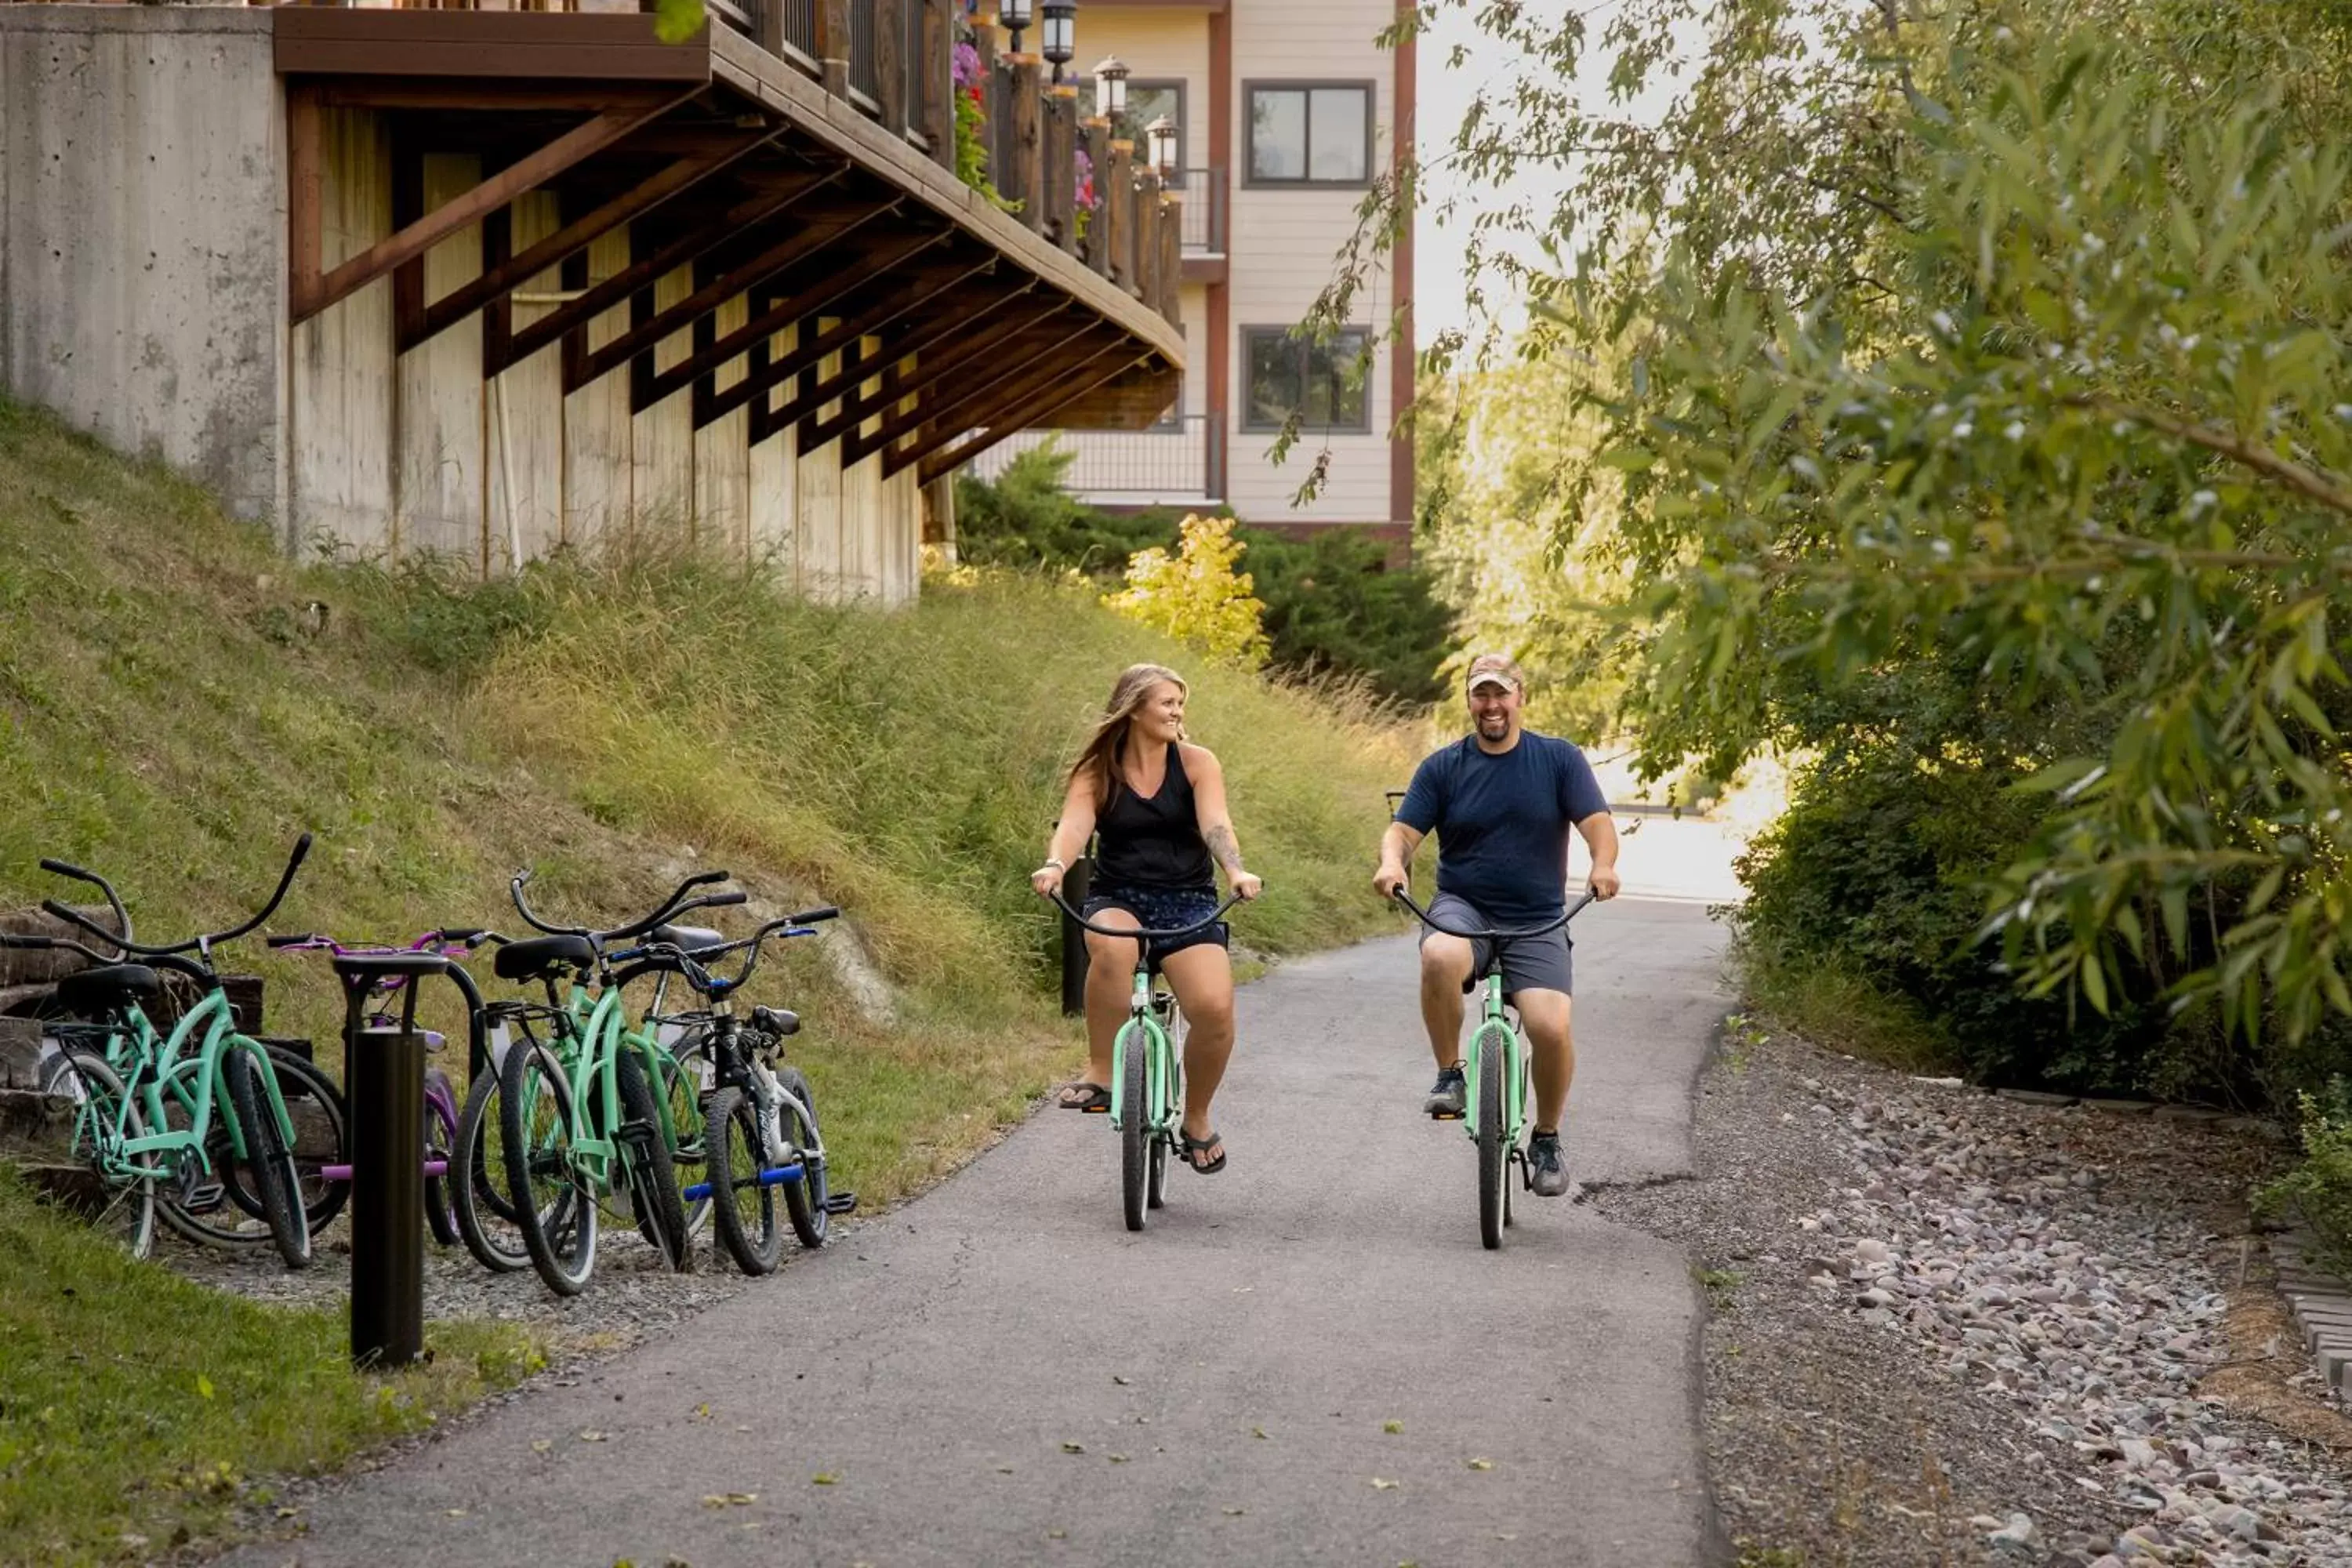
1158 803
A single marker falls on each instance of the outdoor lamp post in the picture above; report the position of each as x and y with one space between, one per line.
1014 16
1111 89
1061 33
1165 160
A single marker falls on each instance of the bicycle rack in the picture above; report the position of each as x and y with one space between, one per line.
384 1078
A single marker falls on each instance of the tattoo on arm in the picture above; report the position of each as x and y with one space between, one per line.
1222 845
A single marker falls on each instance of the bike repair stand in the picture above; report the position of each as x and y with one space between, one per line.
384 1078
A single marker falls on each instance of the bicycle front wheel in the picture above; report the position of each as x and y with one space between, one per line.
743 1207
440 1148
105 1118
809 1200
685 1079
1494 1166
1136 1112
556 1216
268 1154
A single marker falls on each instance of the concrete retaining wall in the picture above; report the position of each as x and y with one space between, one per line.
141 221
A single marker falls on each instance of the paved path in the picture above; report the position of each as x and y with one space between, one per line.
1228 1373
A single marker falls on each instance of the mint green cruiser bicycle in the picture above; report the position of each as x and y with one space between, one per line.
1147 1073
1495 1072
580 1116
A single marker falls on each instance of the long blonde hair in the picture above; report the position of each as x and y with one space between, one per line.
1099 760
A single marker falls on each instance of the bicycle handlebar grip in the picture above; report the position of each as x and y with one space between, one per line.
707 878
65 868
9 939
810 917
301 851
461 933
301 940
726 901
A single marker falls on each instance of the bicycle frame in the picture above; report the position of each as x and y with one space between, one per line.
1159 1061
149 1071
1494 1018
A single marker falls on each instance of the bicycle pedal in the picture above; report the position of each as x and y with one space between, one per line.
1095 1110
840 1203
1446 1116
202 1197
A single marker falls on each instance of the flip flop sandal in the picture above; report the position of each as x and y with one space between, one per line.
1094 1100
1192 1146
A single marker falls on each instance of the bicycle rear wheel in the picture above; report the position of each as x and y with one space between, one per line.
267 1153
743 1208
646 1158
440 1145
1135 1113
105 1118
322 1138
685 1079
556 1217
807 1201
484 1215
1494 1166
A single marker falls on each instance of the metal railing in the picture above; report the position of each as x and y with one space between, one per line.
865 59
799 23
1204 211
1172 463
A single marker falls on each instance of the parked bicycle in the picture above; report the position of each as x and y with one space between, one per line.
579 1117
759 1122
1146 1078
1495 1072
193 1124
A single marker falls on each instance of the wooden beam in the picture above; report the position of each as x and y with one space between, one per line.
582 142
805 241
832 50
937 109
890 63
693 242
923 287
463 301
1038 410
1024 146
932 439
903 382
305 193
407 207
1096 138
504 97
1005 344
811 300
1017 378
1059 159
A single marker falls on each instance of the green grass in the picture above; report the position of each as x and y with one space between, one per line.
1836 1008
174 713
139 1410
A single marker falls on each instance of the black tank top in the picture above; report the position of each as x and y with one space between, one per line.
1153 841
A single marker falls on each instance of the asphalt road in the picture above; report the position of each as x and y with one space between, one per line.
1000 1372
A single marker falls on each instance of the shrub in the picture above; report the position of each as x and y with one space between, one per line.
2318 1191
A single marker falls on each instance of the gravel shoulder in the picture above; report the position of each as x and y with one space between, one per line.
1947 1327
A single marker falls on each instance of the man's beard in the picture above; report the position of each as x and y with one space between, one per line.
1495 726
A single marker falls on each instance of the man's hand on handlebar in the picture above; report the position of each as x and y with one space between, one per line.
1604 882
1389 878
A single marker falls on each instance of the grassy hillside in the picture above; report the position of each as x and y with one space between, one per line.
173 713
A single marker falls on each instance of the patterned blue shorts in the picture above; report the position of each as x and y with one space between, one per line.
1162 909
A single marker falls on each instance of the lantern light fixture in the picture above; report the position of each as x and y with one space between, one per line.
1015 17
1061 33
1165 161
1110 88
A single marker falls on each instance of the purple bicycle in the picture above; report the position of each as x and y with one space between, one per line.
328 1173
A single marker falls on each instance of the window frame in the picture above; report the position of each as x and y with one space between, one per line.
1252 425
1252 180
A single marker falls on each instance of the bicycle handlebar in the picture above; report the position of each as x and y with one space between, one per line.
53 908
695 966
1201 924
114 899
671 907
1544 930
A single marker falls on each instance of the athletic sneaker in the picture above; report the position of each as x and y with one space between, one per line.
1450 1096
1550 1166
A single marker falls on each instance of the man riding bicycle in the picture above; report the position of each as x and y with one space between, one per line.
1501 801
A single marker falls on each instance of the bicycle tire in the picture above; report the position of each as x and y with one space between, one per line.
440 1143
645 1161
742 1209
101 1105
536 1128
321 1137
1171 1105
805 1200
683 1087
1135 1119
268 1156
484 1215
1494 1169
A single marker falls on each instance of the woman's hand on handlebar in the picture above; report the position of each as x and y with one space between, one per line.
1246 886
1046 879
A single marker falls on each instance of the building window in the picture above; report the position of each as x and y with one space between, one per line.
1320 380
1146 101
1310 134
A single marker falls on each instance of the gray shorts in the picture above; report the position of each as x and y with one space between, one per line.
1528 962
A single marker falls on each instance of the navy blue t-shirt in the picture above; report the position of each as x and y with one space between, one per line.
1503 822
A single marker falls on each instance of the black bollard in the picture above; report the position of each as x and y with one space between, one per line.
384 1083
1075 883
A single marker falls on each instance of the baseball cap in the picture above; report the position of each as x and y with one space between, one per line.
1494 670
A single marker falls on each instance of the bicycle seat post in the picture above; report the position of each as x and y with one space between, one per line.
384 1074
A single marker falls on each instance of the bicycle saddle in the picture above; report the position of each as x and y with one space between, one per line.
692 939
107 987
542 956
